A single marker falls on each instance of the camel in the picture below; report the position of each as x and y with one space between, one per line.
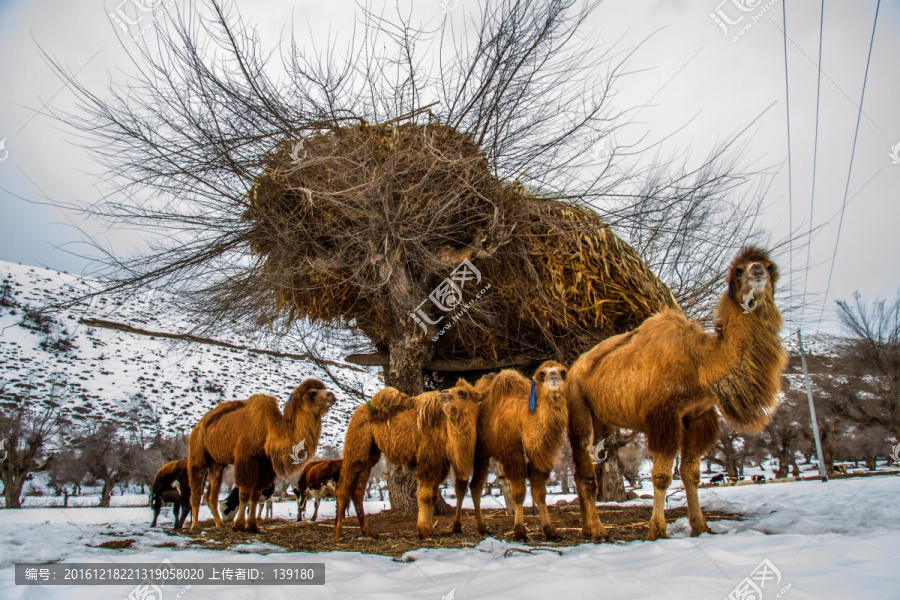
170 484
260 441
523 441
668 378
431 433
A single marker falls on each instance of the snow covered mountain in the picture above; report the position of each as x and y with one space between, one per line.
99 372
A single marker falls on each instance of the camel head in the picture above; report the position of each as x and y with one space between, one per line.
483 385
551 376
751 278
311 397
462 392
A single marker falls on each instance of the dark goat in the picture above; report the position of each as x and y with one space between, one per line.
171 485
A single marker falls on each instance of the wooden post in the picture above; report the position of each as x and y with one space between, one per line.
812 411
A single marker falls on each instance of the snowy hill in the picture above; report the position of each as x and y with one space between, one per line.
104 373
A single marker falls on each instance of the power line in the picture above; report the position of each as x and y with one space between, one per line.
812 199
850 170
787 102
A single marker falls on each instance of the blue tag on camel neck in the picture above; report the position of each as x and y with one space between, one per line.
531 400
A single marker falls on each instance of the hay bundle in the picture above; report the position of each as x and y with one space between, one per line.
358 225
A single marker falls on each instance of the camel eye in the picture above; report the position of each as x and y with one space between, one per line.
738 273
562 375
542 376
463 394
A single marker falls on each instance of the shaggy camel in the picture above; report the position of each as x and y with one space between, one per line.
524 441
668 377
260 441
431 433
170 484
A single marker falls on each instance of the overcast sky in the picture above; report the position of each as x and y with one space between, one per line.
700 85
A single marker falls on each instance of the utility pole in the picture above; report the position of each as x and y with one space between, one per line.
812 410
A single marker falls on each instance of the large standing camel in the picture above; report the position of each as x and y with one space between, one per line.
431 433
668 377
523 441
260 441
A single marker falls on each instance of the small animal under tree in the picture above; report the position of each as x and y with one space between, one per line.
525 439
431 432
171 485
318 480
671 379
260 441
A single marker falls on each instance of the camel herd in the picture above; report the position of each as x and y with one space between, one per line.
668 378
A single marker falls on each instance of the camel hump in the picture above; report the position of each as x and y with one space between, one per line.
509 383
389 402
430 409
220 410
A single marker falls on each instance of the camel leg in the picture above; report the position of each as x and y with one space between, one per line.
240 518
517 486
347 486
196 477
700 436
538 481
212 494
461 485
581 439
425 496
253 500
662 478
476 487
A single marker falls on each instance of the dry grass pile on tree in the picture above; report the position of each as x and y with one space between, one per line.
332 222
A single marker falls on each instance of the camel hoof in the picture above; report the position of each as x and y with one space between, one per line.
238 527
484 531
375 536
520 533
552 536
252 528
457 528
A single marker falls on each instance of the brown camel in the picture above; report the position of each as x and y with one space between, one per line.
668 377
522 441
430 433
259 441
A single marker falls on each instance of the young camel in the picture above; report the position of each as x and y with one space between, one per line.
260 441
431 433
668 377
523 442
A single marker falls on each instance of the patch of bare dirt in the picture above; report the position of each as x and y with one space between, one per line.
398 533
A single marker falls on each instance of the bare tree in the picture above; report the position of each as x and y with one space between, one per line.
25 432
107 457
340 189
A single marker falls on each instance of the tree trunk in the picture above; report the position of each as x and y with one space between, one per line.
610 474
12 492
507 495
105 494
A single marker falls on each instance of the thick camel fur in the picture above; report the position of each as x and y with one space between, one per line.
170 484
260 441
667 378
430 433
523 442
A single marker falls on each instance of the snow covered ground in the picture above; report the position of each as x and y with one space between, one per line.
839 539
